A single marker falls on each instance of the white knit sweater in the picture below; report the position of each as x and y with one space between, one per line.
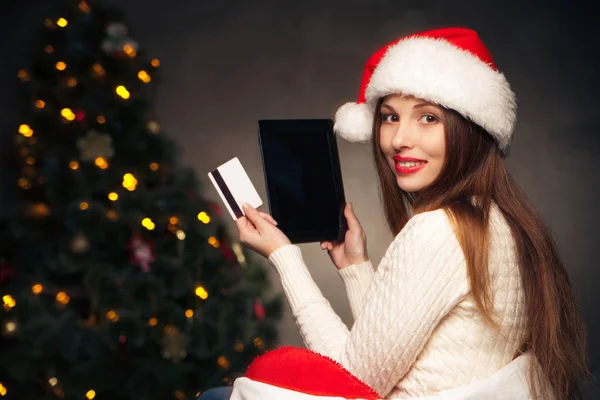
417 330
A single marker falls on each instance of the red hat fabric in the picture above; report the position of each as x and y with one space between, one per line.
450 67
308 372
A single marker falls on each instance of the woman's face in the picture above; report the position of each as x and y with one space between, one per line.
412 138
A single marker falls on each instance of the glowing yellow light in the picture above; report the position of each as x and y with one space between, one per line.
130 51
61 66
98 69
213 242
179 395
148 224
9 301
203 217
152 321
74 165
67 114
144 77
90 394
129 182
239 346
154 166
48 49
40 209
112 196
23 75
173 220
84 205
122 91
53 381
40 104
2 390
201 292
30 161
62 297
84 7
101 119
155 63
180 235
113 316
62 22
37 288
23 183
112 215
10 327
71 82
25 130
258 342
223 362
189 313
101 163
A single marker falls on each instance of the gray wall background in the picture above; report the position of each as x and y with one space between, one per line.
226 64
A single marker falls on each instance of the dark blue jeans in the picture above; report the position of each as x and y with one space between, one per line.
218 393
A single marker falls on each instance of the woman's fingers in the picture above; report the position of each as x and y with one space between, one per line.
268 218
353 223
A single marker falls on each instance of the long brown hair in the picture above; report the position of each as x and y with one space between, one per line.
474 167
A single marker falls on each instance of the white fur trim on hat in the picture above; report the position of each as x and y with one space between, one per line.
354 122
437 71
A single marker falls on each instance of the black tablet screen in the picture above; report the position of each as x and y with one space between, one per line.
300 178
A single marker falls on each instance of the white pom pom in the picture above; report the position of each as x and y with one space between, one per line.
354 122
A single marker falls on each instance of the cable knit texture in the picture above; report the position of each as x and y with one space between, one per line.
417 330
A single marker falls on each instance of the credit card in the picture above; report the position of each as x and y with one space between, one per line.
235 187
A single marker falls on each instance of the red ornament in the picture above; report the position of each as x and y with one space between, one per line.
79 115
226 251
216 209
6 272
259 310
122 341
141 253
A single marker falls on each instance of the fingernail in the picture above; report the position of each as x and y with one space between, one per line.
245 206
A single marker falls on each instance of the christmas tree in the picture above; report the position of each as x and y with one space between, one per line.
118 279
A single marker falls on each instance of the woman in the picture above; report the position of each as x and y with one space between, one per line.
472 278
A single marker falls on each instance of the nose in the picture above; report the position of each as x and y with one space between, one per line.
402 137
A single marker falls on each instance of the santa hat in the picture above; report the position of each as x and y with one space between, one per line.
450 67
292 373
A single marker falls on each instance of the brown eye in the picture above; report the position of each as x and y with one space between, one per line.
389 118
428 119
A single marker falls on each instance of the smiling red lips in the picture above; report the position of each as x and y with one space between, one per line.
408 165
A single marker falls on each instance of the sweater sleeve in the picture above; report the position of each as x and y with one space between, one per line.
357 278
420 279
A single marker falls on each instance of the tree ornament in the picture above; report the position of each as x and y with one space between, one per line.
141 253
94 145
153 127
174 344
239 253
259 310
122 341
216 209
79 244
117 43
225 250
9 328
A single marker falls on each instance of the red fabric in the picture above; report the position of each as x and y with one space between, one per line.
305 371
462 38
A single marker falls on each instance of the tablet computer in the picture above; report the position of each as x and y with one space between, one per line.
303 178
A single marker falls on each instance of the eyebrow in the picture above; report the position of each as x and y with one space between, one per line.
416 106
